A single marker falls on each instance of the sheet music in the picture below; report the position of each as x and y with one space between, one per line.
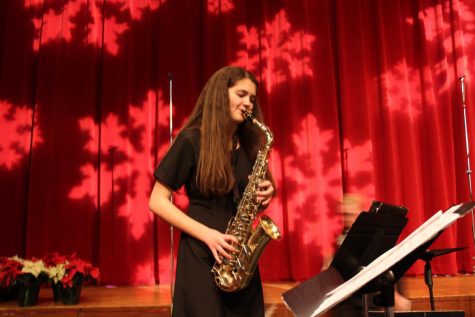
424 233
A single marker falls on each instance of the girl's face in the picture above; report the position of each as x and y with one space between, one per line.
241 99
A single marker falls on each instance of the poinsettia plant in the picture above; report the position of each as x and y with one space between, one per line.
55 264
70 270
18 270
9 270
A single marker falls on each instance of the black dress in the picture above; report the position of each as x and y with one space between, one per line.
196 293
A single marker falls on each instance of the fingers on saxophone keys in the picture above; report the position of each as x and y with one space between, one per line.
229 248
222 254
265 202
265 190
217 257
261 197
265 185
230 238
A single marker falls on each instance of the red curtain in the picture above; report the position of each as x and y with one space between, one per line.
363 97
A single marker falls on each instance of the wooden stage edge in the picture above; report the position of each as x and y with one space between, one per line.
451 293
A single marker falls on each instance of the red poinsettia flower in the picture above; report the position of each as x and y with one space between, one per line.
9 270
16 269
70 270
54 259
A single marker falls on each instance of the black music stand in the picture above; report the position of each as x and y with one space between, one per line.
427 256
373 233
400 268
332 286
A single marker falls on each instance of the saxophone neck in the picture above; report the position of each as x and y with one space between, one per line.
269 136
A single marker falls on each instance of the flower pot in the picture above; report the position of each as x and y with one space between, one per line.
28 293
70 294
56 288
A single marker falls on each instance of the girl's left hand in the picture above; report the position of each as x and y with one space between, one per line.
265 193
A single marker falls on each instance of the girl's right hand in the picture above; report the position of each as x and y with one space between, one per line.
220 244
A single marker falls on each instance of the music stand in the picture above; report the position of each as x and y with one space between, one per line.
385 282
373 233
319 294
427 256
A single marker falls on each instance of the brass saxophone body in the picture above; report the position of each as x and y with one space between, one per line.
235 274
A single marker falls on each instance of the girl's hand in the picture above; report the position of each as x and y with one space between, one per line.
265 193
220 244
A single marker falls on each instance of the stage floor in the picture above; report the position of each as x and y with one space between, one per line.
451 293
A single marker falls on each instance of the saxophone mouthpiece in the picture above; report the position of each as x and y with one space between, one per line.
249 116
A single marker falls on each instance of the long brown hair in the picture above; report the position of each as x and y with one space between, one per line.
211 115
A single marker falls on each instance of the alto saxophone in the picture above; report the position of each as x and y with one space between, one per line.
235 274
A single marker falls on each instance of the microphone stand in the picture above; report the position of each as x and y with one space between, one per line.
469 171
172 245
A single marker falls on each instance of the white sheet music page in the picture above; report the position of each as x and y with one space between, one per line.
424 233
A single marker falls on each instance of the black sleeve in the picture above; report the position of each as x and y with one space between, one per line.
176 167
